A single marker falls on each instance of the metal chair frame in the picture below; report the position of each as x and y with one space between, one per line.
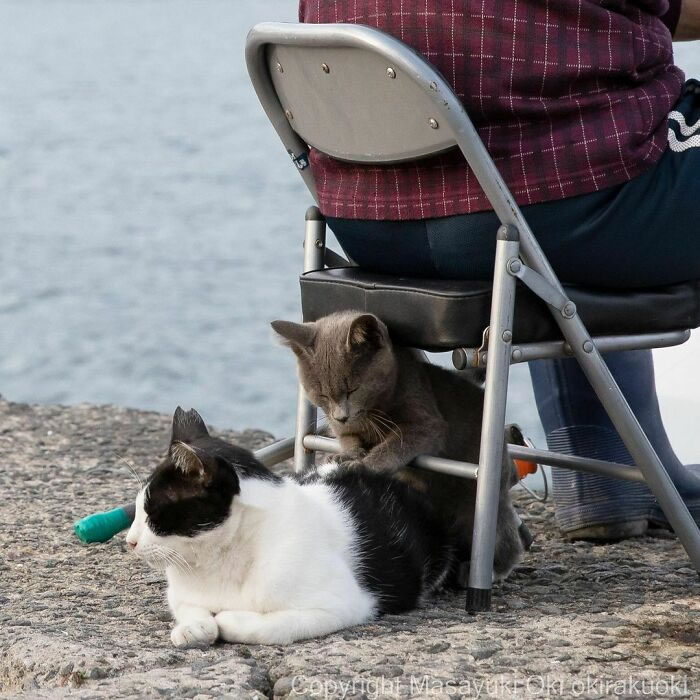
518 256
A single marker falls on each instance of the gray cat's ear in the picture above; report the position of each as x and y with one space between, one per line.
185 458
367 330
299 337
188 426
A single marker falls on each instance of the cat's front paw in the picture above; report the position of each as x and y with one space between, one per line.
199 633
240 626
351 459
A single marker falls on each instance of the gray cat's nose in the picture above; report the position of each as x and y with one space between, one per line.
340 411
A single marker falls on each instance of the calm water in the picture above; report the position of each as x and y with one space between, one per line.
151 223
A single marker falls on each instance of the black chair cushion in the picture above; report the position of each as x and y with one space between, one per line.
444 314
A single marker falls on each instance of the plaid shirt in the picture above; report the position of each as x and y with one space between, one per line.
569 96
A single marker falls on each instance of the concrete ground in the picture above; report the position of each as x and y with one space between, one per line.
89 621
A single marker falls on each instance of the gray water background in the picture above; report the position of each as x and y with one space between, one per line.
150 221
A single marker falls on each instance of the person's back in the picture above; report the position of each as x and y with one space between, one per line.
569 97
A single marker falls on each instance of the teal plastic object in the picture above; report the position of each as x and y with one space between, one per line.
100 527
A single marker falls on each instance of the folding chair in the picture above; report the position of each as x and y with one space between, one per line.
358 94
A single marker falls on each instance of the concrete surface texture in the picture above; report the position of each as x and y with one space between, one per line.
574 620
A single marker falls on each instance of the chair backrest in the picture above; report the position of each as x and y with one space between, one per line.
359 94
355 105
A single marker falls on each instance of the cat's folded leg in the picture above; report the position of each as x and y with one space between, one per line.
344 459
351 456
404 444
278 627
195 627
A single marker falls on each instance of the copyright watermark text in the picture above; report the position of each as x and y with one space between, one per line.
535 686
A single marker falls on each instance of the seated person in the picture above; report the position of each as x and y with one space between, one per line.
598 138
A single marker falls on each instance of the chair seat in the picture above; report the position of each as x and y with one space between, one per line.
444 314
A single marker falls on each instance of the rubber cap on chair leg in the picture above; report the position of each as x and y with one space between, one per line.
478 600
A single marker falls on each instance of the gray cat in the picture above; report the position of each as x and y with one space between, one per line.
386 405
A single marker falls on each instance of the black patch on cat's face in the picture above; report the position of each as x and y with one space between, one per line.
183 504
192 490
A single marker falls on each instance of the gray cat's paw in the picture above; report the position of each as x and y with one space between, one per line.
200 633
351 464
352 458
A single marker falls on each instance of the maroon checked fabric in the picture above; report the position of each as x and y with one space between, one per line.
569 96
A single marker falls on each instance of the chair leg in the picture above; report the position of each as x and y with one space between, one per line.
306 423
314 251
493 424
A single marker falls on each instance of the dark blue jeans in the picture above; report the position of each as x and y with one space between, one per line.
643 233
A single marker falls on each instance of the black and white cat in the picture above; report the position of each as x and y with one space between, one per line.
258 558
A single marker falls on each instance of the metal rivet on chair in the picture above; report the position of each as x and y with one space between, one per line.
433 123
514 266
325 68
391 73
288 114
507 336
569 310
279 68
588 346
517 355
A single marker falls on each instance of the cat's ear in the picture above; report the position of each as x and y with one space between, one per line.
186 459
299 337
188 426
367 331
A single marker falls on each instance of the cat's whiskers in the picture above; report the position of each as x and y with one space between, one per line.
375 429
387 423
157 555
396 430
194 556
131 467
177 560
169 559
380 415
394 427
154 557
